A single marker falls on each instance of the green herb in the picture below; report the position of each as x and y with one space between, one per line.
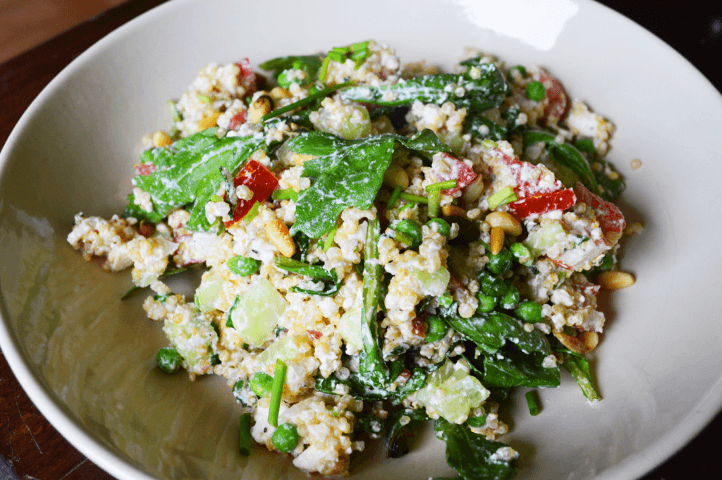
279 378
532 403
441 185
514 368
401 428
502 197
483 128
308 63
394 197
243 266
328 243
251 214
203 98
413 198
175 114
434 203
287 194
472 455
578 366
300 268
305 101
483 93
347 173
244 435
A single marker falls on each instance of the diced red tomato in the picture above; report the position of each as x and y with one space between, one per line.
315 334
237 120
529 178
144 169
261 181
146 228
247 77
546 202
610 218
557 99
459 171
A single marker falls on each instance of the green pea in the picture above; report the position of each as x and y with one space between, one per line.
491 284
238 388
169 360
286 437
530 312
486 303
412 228
536 91
511 298
436 330
521 253
445 300
476 422
518 68
261 384
606 265
499 263
442 226
243 266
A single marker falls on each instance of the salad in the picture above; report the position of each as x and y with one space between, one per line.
384 245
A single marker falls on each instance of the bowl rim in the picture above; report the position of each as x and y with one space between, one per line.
69 427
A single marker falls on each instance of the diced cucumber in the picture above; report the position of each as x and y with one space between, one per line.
287 349
541 239
432 284
209 291
193 338
257 311
452 393
349 326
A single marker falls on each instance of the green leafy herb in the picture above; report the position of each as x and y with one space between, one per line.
513 368
472 455
578 366
486 91
400 433
305 101
532 403
484 128
308 63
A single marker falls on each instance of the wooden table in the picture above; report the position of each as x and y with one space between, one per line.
31 449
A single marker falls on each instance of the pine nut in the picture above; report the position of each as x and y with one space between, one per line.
161 139
453 211
583 343
506 221
497 240
278 93
260 107
280 237
473 191
208 122
615 280
395 176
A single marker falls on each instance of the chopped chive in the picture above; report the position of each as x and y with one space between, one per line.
413 198
244 435
175 114
329 238
441 185
434 202
305 101
287 194
407 205
531 402
403 238
360 46
502 197
204 98
342 50
252 213
394 197
359 55
216 198
324 70
337 56
279 378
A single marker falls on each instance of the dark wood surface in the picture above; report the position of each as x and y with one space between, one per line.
31 449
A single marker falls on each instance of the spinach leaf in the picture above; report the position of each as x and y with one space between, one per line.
491 331
483 128
472 455
303 242
191 174
400 434
512 368
565 155
612 187
300 268
310 63
133 210
486 91
347 173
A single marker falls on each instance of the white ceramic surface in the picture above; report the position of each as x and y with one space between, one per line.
86 359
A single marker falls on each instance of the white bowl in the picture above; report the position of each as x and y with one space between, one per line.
87 359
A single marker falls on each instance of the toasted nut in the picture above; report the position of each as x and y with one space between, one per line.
613 237
208 122
395 176
583 343
497 240
279 93
453 211
299 158
506 221
473 191
161 139
260 107
278 234
615 280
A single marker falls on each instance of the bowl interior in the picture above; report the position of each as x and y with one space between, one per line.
87 358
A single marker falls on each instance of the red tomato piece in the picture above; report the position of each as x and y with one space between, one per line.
146 229
237 120
459 171
557 99
144 169
546 202
610 218
530 179
261 182
315 334
247 77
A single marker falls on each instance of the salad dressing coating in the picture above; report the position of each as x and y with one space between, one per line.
408 245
